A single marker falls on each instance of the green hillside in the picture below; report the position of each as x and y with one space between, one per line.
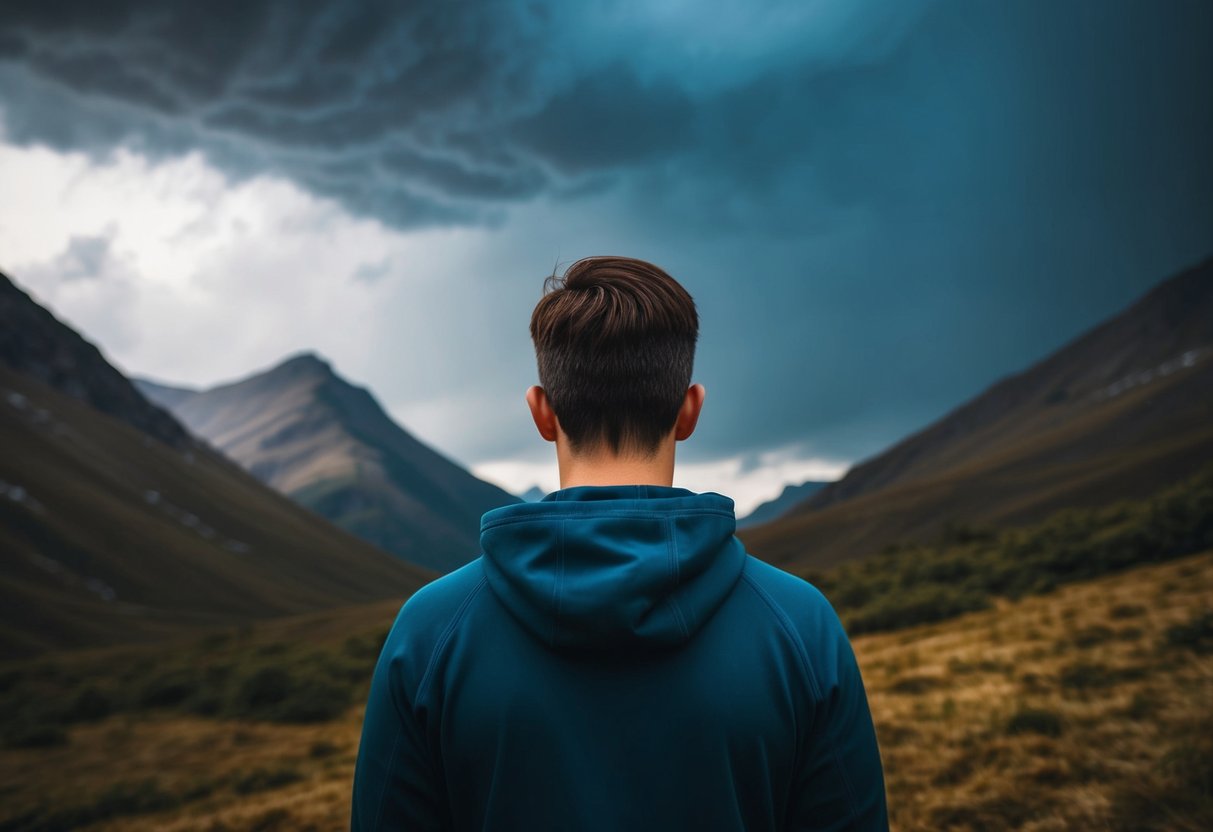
110 535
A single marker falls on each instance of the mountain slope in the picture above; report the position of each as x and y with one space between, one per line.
37 344
109 534
791 496
1118 412
328 445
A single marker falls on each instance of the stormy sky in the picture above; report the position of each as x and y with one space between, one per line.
879 207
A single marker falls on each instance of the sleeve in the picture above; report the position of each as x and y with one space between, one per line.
396 784
839 781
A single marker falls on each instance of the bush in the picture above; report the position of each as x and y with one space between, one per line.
1087 676
89 704
313 700
915 684
122 798
1034 721
36 735
1091 636
276 694
321 749
264 779
265 688
1196 634
918 605
169 689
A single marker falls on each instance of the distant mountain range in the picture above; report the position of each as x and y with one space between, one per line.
534 494
120 519
1118 412
329 445
791 496
117 525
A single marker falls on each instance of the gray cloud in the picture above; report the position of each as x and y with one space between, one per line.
377 105
84 258
417 114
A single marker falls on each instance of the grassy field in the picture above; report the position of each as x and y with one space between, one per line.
1089 707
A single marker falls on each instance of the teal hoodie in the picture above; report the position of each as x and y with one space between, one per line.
615 660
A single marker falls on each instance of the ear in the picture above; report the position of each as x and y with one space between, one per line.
688 414
541 412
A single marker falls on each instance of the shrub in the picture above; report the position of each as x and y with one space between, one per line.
168 689
1034 721
36 735
1196 634
274 693
264 779
313 700
1085 676
89 704
1091 636
263 689
321 749
921 604
1143 706
915 684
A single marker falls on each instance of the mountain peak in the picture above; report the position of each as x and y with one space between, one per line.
307 360
328 443
37 344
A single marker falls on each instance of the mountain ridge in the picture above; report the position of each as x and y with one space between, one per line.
327 443
109 534
1117 411
38 344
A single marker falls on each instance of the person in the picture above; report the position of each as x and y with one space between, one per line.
614 659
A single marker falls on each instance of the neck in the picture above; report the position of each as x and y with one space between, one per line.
605 468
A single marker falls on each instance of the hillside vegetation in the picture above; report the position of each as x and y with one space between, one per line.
970 567
108 536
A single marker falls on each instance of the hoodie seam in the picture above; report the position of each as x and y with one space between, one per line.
672 565
637 514
558 587
387 780
789 629
440 646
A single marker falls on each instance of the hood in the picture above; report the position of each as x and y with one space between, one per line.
610 566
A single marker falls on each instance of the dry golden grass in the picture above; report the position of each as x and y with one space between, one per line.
1075 710
1065 711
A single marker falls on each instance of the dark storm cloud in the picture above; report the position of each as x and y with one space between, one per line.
418 113
383 106
610 119
413 113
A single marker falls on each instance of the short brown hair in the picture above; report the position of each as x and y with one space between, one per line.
615 344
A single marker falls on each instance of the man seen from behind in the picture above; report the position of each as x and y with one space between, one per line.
614 659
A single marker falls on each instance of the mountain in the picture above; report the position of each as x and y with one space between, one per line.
789 497
1118 412
35 343
328 444
533 494
116 525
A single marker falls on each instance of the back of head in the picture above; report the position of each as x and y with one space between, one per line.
615 344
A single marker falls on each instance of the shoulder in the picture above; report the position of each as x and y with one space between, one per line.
806 615
797 599
440 600
427 619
